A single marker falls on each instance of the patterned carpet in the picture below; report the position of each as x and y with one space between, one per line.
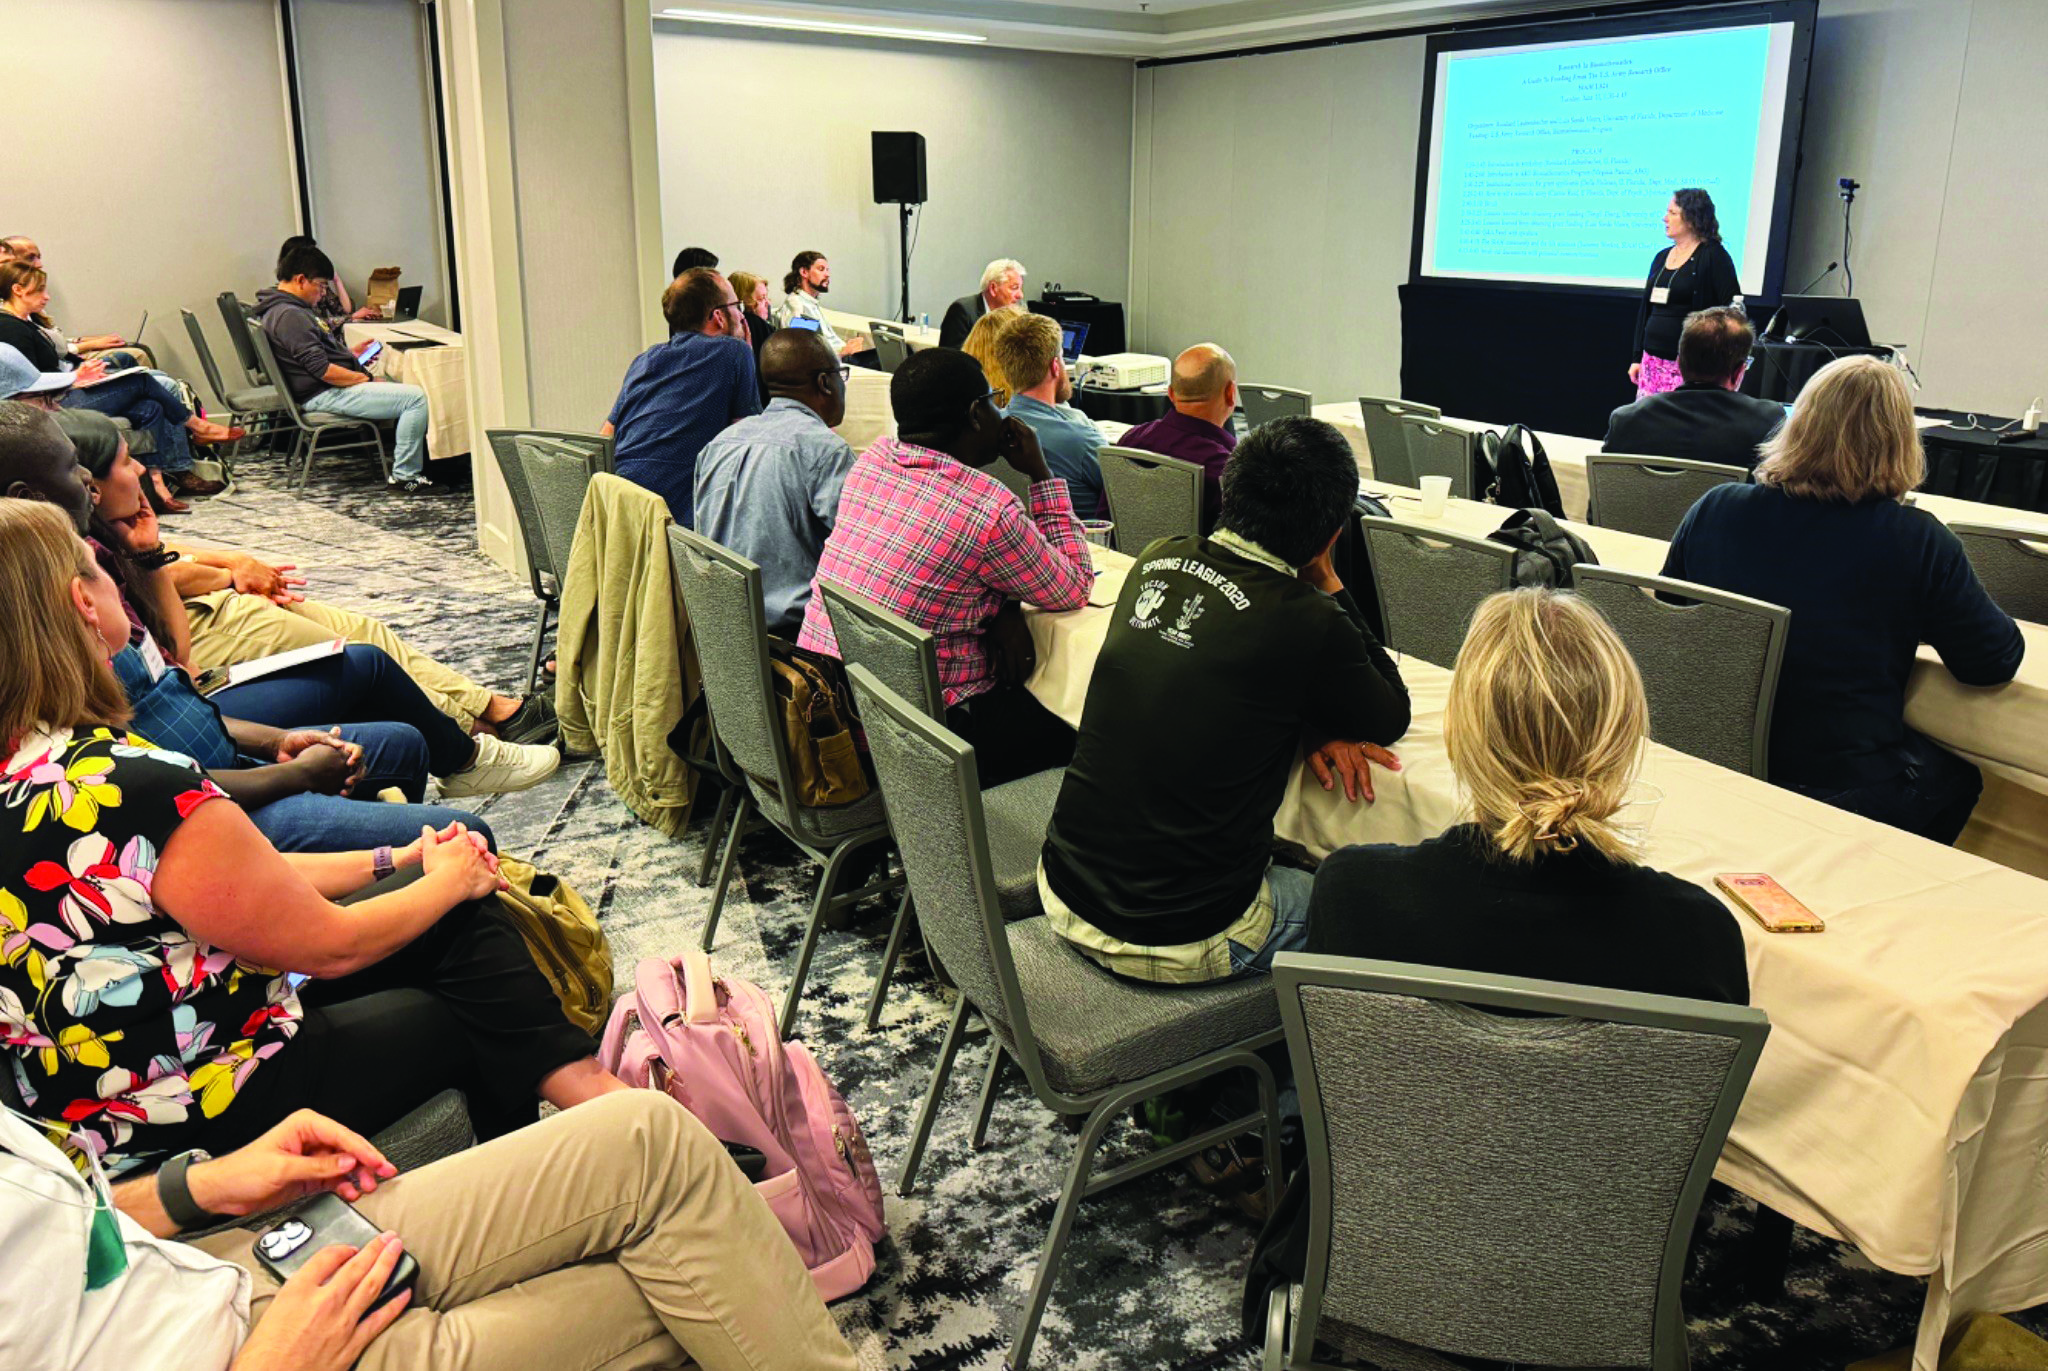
1152 1273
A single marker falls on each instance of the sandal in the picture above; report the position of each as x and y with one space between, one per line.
226 435
188 484
160 497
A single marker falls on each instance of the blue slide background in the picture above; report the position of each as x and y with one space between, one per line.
1559 162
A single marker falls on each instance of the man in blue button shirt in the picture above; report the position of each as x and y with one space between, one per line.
681 394
768 487
1028 353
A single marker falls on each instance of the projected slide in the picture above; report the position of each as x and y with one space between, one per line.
1552 162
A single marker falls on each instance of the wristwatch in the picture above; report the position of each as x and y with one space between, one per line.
380 862
176 1196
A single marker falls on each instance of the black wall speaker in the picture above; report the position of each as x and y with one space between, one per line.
899 168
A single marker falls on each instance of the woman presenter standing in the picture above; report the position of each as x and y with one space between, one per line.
1695 272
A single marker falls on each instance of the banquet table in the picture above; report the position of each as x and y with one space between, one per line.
847 325
1903 1093
417 353
2004 729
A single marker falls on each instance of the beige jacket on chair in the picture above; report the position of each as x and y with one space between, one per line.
626 669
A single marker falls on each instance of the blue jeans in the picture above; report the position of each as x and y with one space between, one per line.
1290 887
384 400
359 686
1932 796
336 823
137 396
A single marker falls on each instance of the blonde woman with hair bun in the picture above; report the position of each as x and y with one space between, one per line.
1545 728
1826 533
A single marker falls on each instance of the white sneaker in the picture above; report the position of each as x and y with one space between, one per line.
500 767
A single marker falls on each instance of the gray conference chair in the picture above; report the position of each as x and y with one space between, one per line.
722 592
1018 483
234 314
1386 440
905 658
1709 660
1272 402
547 473
309 429
2012 563
254 407
1440 450
1430 581
1649 495
890 349
1088 1043
1516 1189
1150 496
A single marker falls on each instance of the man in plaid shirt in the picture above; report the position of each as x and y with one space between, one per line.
925 533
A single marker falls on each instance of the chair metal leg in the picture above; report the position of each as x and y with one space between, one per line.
540 635
732 845
713 834
828 881
996 1057
942 1071
302 455
889 956
1062 1223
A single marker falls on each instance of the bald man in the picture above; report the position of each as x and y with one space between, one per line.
1204 396
768 487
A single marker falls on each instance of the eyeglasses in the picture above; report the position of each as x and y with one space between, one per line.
734 304
988 395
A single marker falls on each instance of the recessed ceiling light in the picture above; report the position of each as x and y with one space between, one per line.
768 21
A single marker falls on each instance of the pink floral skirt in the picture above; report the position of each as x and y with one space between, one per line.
1658 375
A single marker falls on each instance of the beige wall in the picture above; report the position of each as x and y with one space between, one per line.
149 156
764 154
1275 198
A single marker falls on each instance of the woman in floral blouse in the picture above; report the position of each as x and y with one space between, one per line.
141 914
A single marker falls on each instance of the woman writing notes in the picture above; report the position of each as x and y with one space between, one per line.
1694 273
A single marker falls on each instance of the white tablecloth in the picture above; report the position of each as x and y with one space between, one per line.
434 359
1903 1096
846 325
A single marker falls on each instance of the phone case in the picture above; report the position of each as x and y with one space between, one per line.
324 1221
1769 903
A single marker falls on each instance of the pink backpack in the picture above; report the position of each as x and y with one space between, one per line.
711 1043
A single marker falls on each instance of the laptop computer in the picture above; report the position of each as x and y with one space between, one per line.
1836 319
1072 336
407 307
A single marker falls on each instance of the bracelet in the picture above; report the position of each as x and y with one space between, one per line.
381 863
176 1196
156 559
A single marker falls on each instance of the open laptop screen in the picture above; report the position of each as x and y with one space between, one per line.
1072 336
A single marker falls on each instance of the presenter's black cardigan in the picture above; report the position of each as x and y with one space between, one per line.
1706 279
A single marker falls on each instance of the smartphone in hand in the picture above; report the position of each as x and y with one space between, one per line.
324 1221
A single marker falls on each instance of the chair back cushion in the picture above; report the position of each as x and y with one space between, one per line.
903 656
2013 565
1150 496
1385 437
1649 495
548 475
1430 583
1435 449
1505 1187
722 593
1710 667
1263 403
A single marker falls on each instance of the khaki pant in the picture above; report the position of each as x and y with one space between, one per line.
228 627
616 1234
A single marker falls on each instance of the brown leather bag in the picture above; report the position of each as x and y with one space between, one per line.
824 760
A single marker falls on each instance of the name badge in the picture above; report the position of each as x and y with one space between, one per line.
153 658
1660 295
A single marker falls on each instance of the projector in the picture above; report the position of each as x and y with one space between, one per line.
1127 370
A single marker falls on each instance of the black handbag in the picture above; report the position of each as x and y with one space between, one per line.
1545 551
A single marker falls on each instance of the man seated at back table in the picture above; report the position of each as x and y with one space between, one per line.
1226 657
1203 392
768 487
1706 419
1028 353
924 532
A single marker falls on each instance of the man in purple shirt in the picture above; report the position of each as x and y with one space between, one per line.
1204 396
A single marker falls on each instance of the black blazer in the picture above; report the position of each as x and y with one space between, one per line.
960 319
1707 279
1699 423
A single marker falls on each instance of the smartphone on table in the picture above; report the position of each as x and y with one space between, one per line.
1769 903
324 1221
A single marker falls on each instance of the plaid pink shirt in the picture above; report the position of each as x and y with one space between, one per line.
944 545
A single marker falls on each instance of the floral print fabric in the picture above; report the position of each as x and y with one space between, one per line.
1659 375
118 1024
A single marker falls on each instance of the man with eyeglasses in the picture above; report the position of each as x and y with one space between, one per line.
679 395
925 532
768 487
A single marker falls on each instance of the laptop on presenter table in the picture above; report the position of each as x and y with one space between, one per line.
1825 319
1072 336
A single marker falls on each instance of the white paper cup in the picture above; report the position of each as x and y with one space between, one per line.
1435 490
1100 532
